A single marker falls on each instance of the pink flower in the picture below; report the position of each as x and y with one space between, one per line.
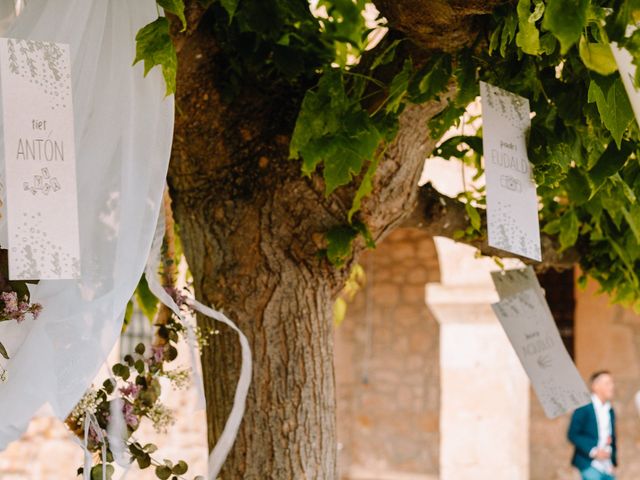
178 297
36 310
158 353
130 417
93 435
131 390
10 300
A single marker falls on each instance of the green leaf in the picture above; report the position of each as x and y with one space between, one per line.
566 19
365 188
363 230
528 37
613 105
626 189
339 310
387 55
180 468
3 351
632 216
230 6
163 472
465 74
508 33
128 313
443 121
96 472
609 163
176 7
147 301
474 216
569 229
339 243
349 157
398 88
597 57
431 80
578 187
459 146
154 47
109 386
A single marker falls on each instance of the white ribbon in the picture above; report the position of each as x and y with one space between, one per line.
222 448
151 274
117 431
225 442
89 421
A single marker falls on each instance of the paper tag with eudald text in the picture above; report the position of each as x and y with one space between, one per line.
512 203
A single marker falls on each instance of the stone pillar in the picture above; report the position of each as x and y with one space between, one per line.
484 413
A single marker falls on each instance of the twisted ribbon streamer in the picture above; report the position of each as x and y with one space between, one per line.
222 448
90 420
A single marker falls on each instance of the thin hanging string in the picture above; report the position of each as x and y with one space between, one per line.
222 448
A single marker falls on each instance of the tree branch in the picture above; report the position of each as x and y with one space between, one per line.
447 25
442 216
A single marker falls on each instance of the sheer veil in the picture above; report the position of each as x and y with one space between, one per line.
124 130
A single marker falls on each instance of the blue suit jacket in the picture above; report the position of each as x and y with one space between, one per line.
583 433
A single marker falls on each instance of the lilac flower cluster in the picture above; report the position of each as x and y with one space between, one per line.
15 309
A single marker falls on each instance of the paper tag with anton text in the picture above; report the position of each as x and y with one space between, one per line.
40 163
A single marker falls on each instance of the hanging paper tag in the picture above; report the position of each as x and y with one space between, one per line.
40 164
510 282
527 320
627 69
512 203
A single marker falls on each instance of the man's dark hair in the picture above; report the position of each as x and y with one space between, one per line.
596 375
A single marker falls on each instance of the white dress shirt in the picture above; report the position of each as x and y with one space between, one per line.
603 417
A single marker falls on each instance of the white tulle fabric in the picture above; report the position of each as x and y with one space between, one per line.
124 130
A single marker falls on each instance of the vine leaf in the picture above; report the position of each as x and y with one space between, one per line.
566 19
3 351
474 216
146 300
365 188
612 160
154 47
177 8
528 36
597 57
632 216
339 242
569 228
334 132
96 472
230 6
613 105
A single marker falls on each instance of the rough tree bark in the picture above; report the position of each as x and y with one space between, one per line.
252 229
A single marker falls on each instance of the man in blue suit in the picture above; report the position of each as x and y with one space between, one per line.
593 432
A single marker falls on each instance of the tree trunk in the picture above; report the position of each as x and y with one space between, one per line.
249 223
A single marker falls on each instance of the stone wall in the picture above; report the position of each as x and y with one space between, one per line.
387 369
